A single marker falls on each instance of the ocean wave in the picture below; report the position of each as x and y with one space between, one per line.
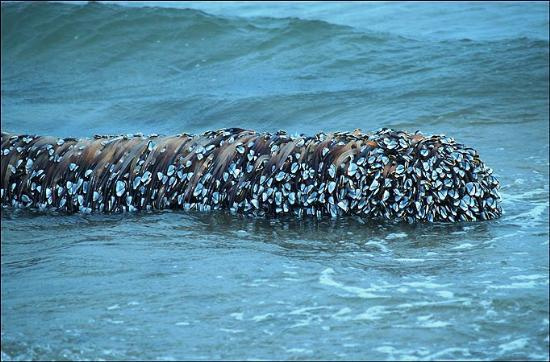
31 29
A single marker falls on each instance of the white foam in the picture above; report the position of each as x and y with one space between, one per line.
342 311
532 215
396 236
435 324
350 345
116 306
373 313
112 321
326 279
304 322
447 351
379 245
508 198
261 317
526 285
306 310
228 330
290 272
410 260
182 323
427 285
530 277
463 246
298 350
237 316
511 346
445 294
386 349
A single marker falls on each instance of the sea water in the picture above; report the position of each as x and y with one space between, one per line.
192 285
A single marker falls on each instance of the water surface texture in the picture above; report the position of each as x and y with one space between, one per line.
191 285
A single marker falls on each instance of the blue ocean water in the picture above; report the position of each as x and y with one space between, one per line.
188 285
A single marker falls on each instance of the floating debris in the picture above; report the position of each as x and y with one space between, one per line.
386 174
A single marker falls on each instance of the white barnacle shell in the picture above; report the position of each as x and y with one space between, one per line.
198 189
234 170
136 182
331 186
291 198
120 188
69 187
352 169
28 165
332 170
280 176
399 169
343 205
146 178
160 175
374 185
171 170
471 188
311 198
278 197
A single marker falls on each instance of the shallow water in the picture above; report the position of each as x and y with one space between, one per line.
190 285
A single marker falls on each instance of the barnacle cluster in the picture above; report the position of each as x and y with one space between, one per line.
385 174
